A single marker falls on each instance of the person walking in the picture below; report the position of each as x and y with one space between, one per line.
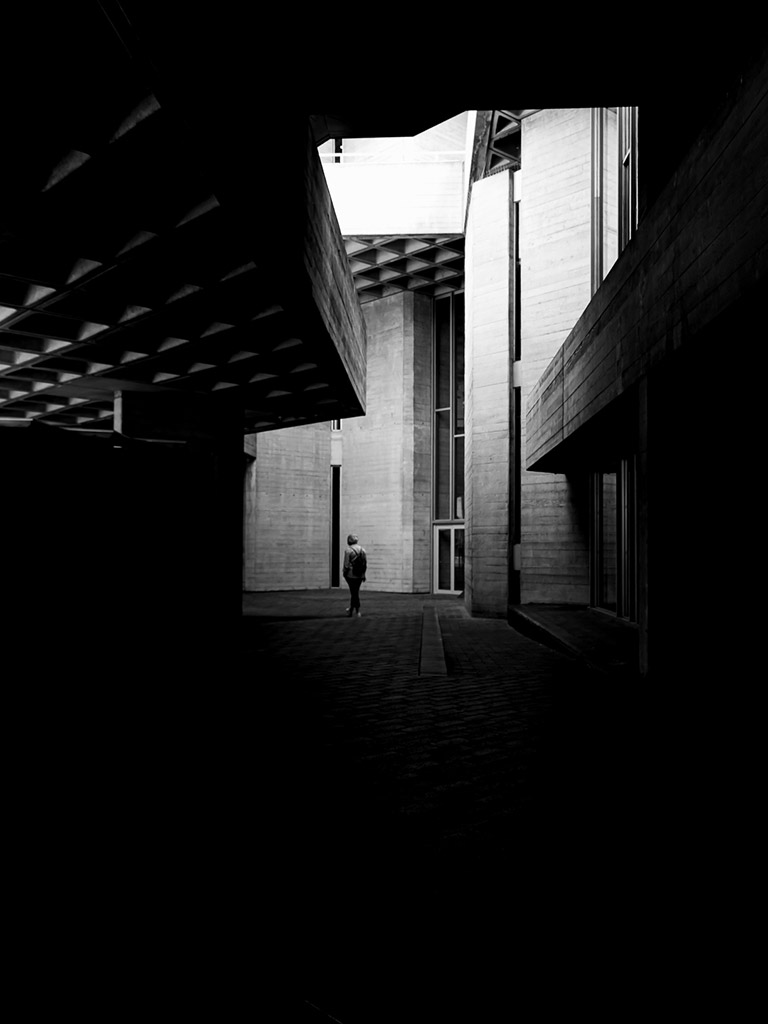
355 564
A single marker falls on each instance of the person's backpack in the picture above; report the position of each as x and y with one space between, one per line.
360 562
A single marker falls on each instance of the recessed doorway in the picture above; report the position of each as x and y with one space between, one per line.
449 560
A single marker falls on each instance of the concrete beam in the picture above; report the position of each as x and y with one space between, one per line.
701 248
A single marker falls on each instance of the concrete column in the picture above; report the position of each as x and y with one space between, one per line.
489 448
555 252
386 467
177 511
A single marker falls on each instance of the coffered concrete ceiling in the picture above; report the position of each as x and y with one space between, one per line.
154 229
383 265
155 236
432 265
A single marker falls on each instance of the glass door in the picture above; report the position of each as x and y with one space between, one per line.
449 559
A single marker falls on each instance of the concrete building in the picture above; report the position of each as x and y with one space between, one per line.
480 339
538 349
526 372
463 312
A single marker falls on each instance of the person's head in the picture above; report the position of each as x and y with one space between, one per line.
352 539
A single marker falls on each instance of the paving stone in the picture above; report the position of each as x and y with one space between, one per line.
405 794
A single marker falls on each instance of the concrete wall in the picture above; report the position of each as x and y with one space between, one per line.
307 281
700 248
488 367
555 249
401 185
386 474
447 137
398 198
329 305
659 333
287 505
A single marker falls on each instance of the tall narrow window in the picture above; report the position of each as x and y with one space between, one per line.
614 540
449 408
605 192
610 188
443 409
518 279
627 527
627 138
448 440
598 212
458 406
607 526
335 526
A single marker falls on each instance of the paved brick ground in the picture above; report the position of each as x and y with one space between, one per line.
417 816
298 825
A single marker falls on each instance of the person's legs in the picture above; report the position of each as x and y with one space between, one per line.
351 584
354 589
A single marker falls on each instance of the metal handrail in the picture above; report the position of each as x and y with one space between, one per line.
426 156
